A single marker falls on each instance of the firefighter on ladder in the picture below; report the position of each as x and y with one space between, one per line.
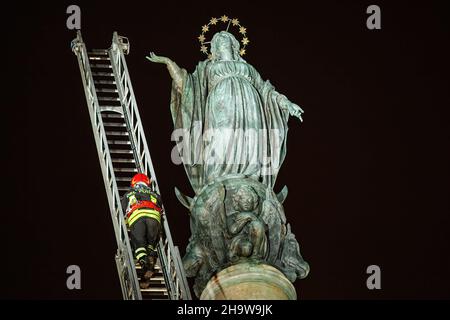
143 209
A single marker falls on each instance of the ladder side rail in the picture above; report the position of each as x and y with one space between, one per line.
143 157
173 294
134 124
147 163
123 282
106 168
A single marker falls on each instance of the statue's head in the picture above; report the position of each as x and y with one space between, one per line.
222 43
245 199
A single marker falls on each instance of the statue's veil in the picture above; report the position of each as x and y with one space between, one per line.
234 44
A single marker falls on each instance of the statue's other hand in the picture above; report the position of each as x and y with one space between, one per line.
295 111
157 59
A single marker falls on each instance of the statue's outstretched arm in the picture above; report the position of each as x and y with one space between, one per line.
293 109
174 70
284 103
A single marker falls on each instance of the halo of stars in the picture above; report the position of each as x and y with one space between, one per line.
231 22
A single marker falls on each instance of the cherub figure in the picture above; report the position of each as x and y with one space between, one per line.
245 227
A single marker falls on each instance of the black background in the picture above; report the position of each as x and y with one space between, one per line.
368 170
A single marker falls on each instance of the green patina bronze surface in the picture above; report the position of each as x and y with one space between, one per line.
234 127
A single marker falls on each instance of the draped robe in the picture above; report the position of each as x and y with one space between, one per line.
232 122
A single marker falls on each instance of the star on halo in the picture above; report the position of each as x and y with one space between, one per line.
213 21
201 38
224 18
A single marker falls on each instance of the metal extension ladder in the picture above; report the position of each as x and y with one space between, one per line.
123 151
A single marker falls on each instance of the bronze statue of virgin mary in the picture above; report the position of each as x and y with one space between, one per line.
234 130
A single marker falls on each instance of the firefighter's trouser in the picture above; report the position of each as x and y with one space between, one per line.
144 237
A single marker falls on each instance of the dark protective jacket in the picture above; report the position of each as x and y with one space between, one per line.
140 202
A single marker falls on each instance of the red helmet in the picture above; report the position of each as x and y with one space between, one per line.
140 177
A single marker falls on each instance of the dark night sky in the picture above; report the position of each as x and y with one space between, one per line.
368 170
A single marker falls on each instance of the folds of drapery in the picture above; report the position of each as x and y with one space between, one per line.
190 123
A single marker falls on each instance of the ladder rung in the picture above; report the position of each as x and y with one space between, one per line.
126 188
125 169
103 74
155 290
98 58
101 65
111 108
106 90
123 160
123 179
104 82
108 98
157 267
157 273
117 133
119 142
114 124
155 283
102 52
118 151
112 115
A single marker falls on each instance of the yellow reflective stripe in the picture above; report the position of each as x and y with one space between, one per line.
149 215
146 211
140 255
139 213
140 249
151 247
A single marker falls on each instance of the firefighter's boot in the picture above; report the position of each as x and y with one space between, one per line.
151 261
146 273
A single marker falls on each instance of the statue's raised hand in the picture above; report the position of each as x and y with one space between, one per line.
175 71
295 111
157 59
